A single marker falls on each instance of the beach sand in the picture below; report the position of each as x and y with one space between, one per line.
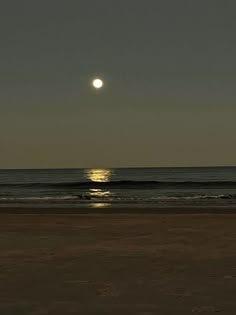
117 264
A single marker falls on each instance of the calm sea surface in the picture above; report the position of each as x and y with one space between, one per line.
133 187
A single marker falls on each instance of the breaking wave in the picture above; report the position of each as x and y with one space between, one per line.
126 184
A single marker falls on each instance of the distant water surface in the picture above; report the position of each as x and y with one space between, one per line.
119 187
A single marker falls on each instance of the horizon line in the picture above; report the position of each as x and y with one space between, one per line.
120 167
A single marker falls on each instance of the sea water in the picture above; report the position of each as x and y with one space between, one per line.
119 187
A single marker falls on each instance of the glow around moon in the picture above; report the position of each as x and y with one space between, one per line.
97 83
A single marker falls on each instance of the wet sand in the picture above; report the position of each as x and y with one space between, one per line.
117 264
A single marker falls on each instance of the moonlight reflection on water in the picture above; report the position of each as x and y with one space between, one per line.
98 175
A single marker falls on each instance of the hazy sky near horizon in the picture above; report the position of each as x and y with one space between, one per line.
169 69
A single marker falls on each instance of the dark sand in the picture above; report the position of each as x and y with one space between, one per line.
117 264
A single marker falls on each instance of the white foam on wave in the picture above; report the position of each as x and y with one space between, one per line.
39 198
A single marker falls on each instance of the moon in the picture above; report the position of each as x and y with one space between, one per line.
97 83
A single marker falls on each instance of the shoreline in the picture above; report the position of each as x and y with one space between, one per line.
115 211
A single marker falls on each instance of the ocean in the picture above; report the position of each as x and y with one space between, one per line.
212 187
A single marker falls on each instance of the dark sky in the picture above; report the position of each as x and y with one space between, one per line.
169 69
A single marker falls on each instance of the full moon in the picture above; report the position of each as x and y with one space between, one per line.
97 83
